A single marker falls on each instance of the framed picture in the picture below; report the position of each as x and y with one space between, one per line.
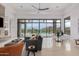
6 32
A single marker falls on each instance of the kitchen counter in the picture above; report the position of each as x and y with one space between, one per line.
4 41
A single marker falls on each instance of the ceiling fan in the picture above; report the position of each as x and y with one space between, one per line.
39 8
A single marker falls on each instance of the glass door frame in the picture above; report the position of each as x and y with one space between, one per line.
18 26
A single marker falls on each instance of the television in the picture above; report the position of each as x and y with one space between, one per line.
1 22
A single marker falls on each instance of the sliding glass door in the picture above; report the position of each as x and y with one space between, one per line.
35 28
43 27
58 25
21 30
49 27
28 29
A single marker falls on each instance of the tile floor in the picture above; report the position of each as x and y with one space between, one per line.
65 48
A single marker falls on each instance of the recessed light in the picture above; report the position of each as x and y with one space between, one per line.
57 6
21 6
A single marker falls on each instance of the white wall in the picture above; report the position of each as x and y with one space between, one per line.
73 12
12 22
2 11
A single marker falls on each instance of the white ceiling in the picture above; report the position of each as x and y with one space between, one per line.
27 7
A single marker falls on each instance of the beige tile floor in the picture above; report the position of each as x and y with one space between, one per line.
65 48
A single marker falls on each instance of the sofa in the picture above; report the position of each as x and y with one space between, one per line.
39 42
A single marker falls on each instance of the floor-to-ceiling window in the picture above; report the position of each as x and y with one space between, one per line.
58 25
21 28
43 27
28 29
49 27
67 24
35 26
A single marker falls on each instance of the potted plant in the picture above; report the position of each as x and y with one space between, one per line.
59 33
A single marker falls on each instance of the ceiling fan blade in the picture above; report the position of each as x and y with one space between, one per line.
44 9
34 7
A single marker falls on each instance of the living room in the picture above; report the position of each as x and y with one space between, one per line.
21 20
